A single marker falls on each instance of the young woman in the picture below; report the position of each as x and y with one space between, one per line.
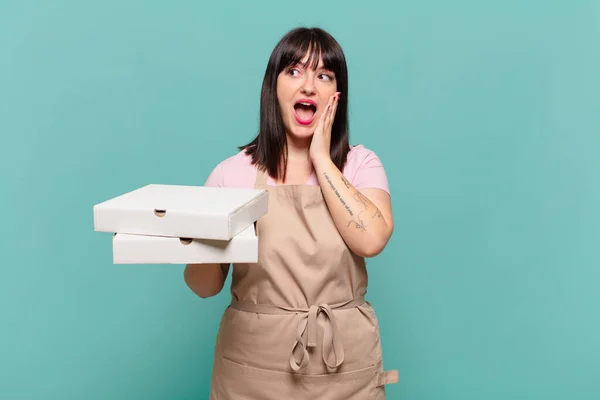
298 326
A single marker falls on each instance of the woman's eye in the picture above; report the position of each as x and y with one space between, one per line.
327 77
293 72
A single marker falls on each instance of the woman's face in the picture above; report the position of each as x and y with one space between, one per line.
303 94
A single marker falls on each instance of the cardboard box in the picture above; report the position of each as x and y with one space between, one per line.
182 211
139 249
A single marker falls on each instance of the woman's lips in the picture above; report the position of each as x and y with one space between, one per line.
305 111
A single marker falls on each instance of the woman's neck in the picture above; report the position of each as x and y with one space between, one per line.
298 149
299 167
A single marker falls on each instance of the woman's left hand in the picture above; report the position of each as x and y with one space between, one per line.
321 141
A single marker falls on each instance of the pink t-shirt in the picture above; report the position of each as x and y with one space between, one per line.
363 170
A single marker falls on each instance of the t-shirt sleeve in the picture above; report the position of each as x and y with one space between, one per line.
216 178
370 173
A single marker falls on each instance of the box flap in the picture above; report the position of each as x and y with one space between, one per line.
189 199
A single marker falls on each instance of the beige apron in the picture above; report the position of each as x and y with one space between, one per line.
298 326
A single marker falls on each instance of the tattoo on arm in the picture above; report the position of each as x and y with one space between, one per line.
345 181
346 206
358 224
357 221
358 196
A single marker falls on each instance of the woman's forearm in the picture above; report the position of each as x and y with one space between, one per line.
361 223
205 280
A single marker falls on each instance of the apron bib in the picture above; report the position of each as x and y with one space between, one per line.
298 326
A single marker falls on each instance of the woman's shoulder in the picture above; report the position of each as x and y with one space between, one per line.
238 160
360 156
364 169
234 171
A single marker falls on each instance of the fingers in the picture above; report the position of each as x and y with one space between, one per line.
326 119
336 100
322 120
332 108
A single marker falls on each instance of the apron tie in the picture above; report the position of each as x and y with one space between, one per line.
306 333
332 344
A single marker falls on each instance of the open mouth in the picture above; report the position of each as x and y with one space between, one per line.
305 111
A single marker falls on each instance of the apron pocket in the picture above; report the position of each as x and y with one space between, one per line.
239 381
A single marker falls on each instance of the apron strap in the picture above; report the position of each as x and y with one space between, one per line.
386 378
306 334
261 177
332 348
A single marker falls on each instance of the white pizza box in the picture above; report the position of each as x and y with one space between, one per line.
198 212
141 249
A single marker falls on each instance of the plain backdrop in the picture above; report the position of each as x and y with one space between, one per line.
485 115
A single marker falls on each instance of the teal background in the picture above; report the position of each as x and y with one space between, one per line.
485 114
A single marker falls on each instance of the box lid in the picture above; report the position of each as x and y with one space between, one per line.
182 211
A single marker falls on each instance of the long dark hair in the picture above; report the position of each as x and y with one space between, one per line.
270 145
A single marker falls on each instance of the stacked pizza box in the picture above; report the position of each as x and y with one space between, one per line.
175 224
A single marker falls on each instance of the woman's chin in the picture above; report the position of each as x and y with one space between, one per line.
301 133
